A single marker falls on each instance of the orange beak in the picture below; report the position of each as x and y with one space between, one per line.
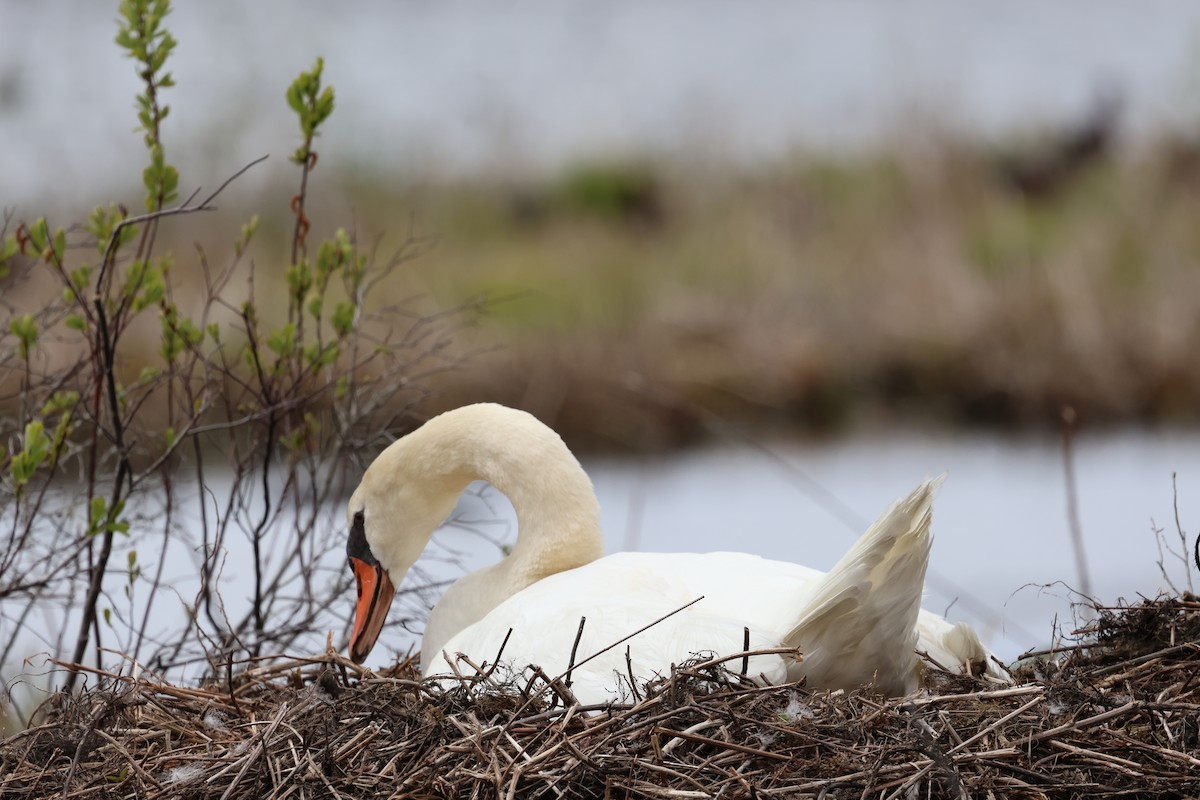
375 594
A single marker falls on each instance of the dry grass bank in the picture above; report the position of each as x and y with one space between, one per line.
626 303
815 293
823 288
1114 714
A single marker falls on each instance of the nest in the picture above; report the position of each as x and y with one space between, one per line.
1117 712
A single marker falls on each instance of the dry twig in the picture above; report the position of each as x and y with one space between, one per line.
1116 714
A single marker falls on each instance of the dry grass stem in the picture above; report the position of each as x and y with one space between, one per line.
1114 714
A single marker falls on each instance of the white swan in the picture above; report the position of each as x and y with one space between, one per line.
858 624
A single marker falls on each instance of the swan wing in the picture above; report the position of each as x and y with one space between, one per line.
641 614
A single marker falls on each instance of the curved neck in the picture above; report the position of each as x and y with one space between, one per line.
558 517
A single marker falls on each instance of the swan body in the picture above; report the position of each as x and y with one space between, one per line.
859 623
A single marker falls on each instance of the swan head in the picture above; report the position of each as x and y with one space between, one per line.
413 485
402 499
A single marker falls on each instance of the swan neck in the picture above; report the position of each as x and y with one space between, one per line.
558 519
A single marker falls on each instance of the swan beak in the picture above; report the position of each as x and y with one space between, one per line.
375 594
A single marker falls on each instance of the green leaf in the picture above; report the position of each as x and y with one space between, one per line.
145 284
325 104
39 235
311 104
75 322
294 99
299 279
248 231
319 357
178 333
25 329
97 511
343 318
79 277
283 341
60 244
9 248
170 183
59 402
315 302
102 519
35 448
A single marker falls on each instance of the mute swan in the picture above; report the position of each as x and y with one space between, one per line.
858 624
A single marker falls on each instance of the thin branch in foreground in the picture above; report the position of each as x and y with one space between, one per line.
183 208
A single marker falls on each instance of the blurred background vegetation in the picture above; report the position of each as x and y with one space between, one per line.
966 245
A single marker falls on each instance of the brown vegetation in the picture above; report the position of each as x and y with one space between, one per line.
913 286
1115 714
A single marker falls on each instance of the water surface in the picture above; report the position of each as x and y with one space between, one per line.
1002 555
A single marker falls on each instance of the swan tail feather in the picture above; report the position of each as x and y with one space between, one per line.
860 622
